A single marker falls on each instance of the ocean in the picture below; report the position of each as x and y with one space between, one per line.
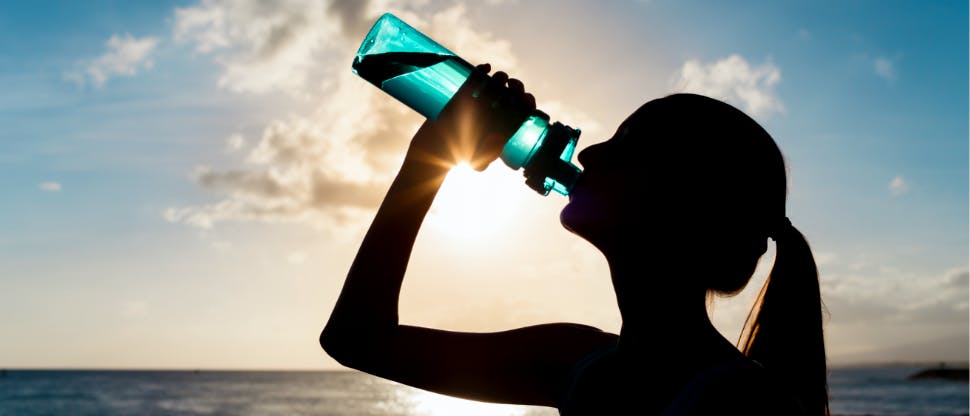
860 391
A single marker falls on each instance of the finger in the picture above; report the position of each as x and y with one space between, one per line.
530 100
500 78
516 86
517 98
493 91
486 68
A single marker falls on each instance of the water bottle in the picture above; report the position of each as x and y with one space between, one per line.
424 75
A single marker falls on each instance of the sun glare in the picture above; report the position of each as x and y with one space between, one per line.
475 206
425 403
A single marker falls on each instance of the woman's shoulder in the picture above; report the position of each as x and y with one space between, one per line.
736 386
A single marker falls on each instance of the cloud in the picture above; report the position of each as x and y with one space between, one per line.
353 16
898 186
887 296
454 30
335 161
235 142
272 46
884 68
125 56
264 45
957 278
307 167
50 186
204 25
945 299
734 80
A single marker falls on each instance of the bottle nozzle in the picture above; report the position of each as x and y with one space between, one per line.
550 168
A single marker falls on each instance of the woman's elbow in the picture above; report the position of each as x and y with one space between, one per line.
350 348
336 344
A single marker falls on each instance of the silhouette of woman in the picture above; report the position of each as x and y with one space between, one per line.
681 202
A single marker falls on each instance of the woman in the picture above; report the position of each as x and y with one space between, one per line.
681 202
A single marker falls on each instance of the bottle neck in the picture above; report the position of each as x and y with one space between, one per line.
545 152
550 168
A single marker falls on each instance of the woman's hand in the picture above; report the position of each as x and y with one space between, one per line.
475 125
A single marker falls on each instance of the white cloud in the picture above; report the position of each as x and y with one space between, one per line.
454 30
304 167
204 25
263 46
957 278
945 299
235 143
898 186
125 56
734 80
50 186
884 295
335 161
884 68
280 46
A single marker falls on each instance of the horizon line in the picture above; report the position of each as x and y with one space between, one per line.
875 364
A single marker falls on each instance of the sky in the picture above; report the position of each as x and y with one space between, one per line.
186 182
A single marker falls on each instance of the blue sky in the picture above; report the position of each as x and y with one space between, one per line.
190 186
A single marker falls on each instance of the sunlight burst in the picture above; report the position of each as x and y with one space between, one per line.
475 206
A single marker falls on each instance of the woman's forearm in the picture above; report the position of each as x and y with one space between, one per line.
468 129
367 306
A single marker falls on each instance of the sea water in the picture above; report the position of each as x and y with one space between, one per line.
865 391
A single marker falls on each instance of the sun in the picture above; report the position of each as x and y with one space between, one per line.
476 206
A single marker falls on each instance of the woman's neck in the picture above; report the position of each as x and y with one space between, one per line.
664 310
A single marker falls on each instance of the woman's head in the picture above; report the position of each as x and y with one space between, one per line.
686 175
691 185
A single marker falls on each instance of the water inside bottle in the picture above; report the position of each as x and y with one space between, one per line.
424 81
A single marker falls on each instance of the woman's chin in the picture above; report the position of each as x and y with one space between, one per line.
571 217
566 216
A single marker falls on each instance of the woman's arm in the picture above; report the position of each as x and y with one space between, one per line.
369 299
527 365
367 306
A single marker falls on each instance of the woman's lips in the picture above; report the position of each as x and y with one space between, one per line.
576 187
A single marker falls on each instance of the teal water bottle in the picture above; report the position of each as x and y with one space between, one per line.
424 75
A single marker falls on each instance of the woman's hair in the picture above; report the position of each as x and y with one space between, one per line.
783 331
733 188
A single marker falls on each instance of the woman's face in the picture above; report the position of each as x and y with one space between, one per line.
632 184
596 206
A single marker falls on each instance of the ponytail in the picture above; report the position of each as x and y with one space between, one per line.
783 331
